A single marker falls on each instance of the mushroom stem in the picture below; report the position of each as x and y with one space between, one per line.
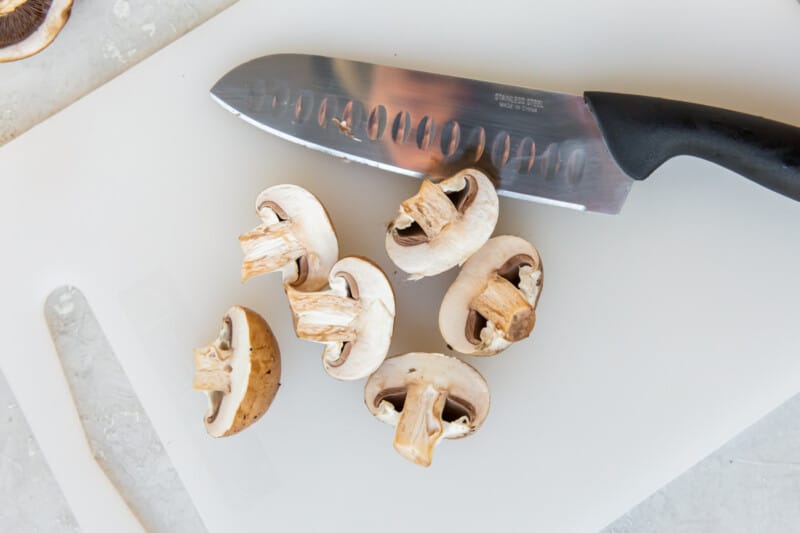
420 426
502 303
430 208
10 5
212 373
269 247
324 316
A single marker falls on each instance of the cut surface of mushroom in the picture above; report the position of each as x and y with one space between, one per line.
492 302
427 397
28 26
296 237
240 372
353 318
443 224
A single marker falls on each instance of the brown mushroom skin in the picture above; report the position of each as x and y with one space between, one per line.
265 374
264 377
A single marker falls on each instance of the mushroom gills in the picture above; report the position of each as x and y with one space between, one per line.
19 19
455 409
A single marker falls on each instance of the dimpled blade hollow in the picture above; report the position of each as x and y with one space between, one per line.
536 145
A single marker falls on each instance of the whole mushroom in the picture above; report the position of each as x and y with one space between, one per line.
354 318
428 397
240 372
28 26
296 237
492 302
443 224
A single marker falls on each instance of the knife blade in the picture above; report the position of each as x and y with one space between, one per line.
582 152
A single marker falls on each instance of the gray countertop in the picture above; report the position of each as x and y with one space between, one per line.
101 40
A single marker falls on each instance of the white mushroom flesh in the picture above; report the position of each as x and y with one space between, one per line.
353 318
239 372
296 238
427 397
505 301
443 224
222 372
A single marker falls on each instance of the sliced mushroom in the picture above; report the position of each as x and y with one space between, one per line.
492 302
354 318
428 397
240 371
443 224
28 26
296 237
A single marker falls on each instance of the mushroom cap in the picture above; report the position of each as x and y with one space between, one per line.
255 374
367 283
28 26
467 390
459 239
311 225
471 280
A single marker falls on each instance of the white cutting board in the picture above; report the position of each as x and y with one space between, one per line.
662 332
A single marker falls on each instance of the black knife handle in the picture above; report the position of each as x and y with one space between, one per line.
643 132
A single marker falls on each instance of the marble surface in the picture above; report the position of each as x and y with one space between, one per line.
25 477
101 39
750 484
119 432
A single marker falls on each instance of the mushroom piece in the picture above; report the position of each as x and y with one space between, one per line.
443 224
492 302
240 372
428 397
28 26
354 318
296 237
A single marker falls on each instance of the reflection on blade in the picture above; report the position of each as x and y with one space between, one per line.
537 145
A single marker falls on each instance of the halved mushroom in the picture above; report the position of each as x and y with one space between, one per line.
240 371
443 224
354 318
428 397
492 302
297 238
28 26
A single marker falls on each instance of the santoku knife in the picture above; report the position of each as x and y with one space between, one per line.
581 152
